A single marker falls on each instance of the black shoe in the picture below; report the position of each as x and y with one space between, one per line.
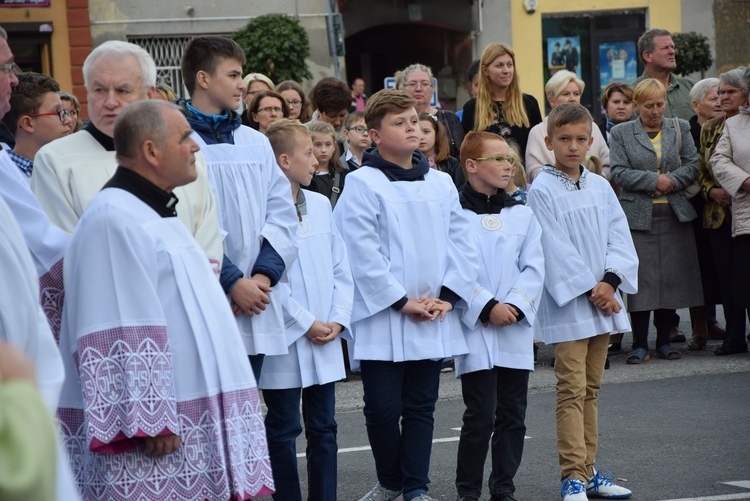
606 363
730 349
676 335
505 496
615 348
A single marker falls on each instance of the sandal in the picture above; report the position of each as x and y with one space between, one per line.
638 356
665 352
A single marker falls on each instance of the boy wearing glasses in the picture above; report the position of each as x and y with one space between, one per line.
499 322
407 238
589 256
357 138
36 117
252 194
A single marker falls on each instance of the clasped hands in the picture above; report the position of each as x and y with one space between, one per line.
603 297
664 186
426 308
250 295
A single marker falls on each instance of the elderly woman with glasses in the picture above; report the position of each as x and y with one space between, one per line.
720 174
653 161
266 107
416 80
563 87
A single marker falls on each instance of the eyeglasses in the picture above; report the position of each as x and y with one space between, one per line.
728 92
496 158
358 129
9 68
414 85
294 103
62 114
270 109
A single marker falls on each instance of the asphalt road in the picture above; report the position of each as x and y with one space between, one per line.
673 430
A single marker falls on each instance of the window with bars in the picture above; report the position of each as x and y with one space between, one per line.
167 53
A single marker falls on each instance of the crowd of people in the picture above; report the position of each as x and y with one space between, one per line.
179 261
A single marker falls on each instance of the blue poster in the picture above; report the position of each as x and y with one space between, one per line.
617 62
564 53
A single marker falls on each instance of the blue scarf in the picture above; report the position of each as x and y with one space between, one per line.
214 120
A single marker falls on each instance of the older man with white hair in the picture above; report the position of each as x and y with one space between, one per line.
70 171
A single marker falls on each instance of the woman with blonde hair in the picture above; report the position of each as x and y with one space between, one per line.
500 106
563 87
653 160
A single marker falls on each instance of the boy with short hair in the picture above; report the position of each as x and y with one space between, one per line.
36 117
318 309
498 324
403 222
589 255
252 195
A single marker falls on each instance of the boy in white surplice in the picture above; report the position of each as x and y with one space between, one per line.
499 321
408 246
318 309
588 256
252 195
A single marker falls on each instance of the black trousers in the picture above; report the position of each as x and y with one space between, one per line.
663 320
495 409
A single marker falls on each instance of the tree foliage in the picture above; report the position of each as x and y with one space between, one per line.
693 52
276 46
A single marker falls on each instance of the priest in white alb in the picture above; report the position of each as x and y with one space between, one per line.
160 402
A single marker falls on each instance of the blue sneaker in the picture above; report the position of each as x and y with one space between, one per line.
601 485
573 490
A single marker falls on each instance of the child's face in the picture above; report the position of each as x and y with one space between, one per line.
427 142
355 138
399 133
225 87
492 169
323 148
570 143
301 162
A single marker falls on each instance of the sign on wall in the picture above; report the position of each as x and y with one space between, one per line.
24 3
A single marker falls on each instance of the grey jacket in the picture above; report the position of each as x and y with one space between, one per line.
633 162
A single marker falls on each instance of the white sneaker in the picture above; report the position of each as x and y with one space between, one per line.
573 490
380 493
601 485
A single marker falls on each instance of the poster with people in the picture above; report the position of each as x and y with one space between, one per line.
564 53
617 62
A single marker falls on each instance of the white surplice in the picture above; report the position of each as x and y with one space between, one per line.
254 204
404 238
46 243
321 289
151 347
584 234
24 325
511 270
70 171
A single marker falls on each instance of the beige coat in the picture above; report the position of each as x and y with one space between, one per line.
731 166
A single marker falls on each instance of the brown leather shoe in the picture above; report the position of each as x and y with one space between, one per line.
716 332
676 335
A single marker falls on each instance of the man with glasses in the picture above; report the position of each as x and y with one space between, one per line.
36 117
22 320
70 171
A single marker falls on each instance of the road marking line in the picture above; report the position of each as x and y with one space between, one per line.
722 497
367 447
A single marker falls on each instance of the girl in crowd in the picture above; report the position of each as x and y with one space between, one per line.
653 161
434 145
355 133
295 98
70 103
329 176
500 106
266 107
563 87
416 80
517 186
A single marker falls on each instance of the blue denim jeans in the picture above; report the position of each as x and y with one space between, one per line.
282 429
495 409
405 391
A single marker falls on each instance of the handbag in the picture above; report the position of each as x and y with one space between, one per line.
692 190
